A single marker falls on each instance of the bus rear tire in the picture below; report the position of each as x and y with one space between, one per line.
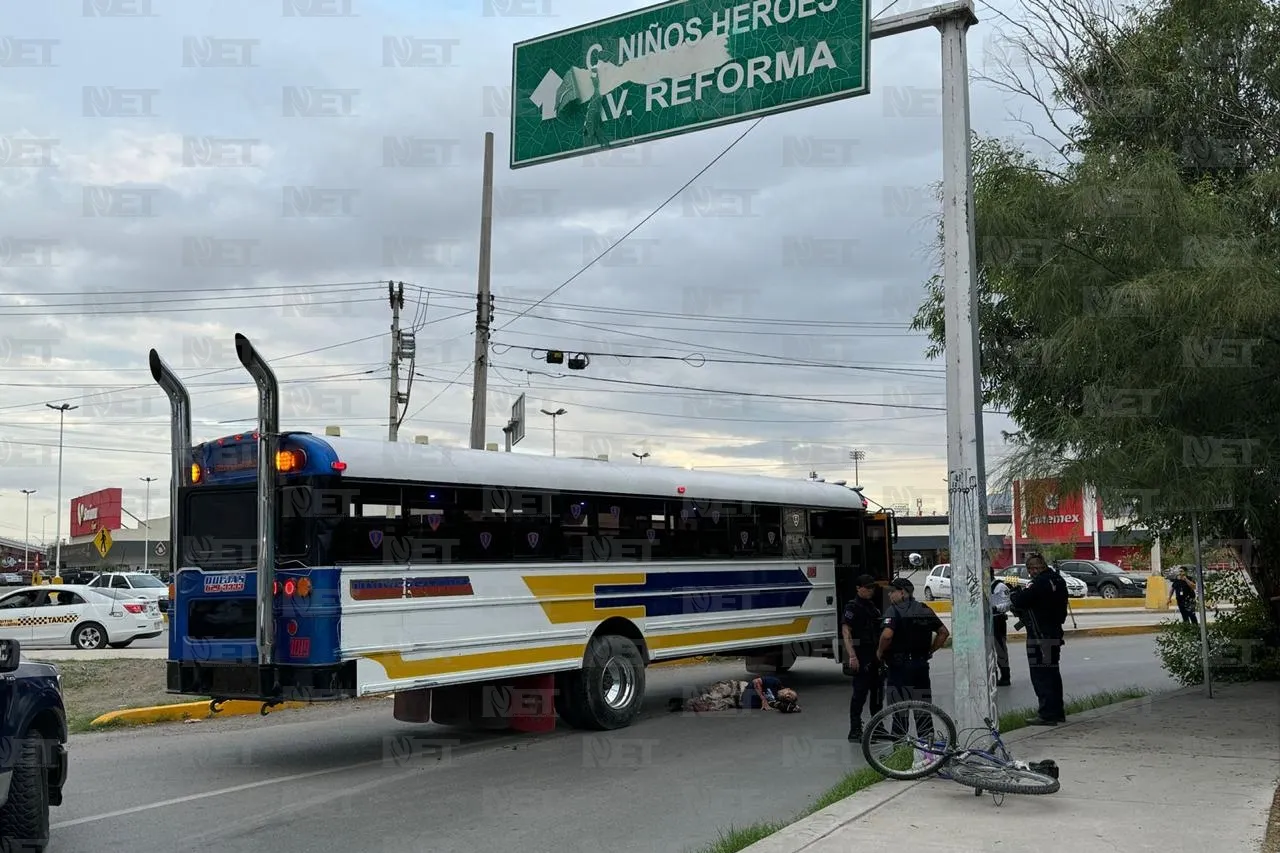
608 691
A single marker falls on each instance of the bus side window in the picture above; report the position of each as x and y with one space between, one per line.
713 530
534 529
434 525
374 529
575 513
684 540
770 523
744 531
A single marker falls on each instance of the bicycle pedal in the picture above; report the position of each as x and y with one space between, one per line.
1046 768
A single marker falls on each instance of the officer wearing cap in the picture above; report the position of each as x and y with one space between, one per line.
910 633
860 629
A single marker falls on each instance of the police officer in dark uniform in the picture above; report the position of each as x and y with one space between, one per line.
910 633
1042 608
860 630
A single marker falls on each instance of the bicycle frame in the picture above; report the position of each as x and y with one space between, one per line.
999 753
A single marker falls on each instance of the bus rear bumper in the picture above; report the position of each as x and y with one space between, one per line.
258 683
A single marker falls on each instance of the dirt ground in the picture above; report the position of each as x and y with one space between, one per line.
1271 844
91 688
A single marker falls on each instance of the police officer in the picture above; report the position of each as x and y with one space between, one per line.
1000 604
1042 607
860 629
910 633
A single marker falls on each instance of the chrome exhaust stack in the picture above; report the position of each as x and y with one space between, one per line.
268 443
180 451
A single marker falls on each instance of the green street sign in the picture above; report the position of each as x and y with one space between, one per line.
682 66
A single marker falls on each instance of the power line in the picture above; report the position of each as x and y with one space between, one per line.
638 225
697 359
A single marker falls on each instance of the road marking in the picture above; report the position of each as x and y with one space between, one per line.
221 792
498 741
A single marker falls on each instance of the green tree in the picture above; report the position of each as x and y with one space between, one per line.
1130 285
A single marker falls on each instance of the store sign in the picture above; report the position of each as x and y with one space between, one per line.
97 511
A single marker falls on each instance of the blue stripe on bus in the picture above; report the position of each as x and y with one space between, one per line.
677 593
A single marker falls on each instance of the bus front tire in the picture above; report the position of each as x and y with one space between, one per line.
608 691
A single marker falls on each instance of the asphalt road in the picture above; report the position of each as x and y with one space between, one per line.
350 777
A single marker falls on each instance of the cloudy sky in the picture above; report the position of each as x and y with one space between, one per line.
756 323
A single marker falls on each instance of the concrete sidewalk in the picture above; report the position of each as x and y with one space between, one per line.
1175 772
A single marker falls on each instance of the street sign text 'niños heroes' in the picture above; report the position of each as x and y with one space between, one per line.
679 67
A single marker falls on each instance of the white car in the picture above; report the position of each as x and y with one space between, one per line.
1017 575
140 583
61 615
938 584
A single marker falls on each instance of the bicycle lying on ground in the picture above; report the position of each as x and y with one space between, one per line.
934 750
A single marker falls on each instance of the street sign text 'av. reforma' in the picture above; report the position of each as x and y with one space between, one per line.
679 67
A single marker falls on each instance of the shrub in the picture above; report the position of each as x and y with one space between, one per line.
1242 642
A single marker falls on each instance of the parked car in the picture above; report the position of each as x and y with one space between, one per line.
10 579
938 583
145 585
1017 575
33 764
58 615
1105 579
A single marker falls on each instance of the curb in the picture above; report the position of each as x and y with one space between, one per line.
803 833
1079 605
1109 631
184 711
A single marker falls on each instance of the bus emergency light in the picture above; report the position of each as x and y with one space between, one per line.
290 461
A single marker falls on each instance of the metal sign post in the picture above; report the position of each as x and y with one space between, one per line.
683 66
1204 625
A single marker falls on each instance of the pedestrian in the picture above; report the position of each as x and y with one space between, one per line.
1186 595
1042 608
910 633
860 629
1000 604
762 693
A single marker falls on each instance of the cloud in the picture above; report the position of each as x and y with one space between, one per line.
171 180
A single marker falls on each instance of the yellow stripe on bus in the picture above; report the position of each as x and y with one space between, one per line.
583 587
728 635
397 667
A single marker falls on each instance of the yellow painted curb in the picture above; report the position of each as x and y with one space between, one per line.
185 711
1076 604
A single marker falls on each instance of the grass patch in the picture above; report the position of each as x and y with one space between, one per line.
737 839
91 688
732 840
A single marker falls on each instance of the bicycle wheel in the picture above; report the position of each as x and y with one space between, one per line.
908 757
1001 778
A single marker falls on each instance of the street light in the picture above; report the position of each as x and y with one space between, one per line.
557 413
26 534
641 456
62 414
857 456
146 552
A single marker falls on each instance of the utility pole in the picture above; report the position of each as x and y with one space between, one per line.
146 548
26 536
62 415
484 302
393 413
973 650
554 415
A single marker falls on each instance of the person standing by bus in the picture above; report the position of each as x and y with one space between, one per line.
910 633
860 630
